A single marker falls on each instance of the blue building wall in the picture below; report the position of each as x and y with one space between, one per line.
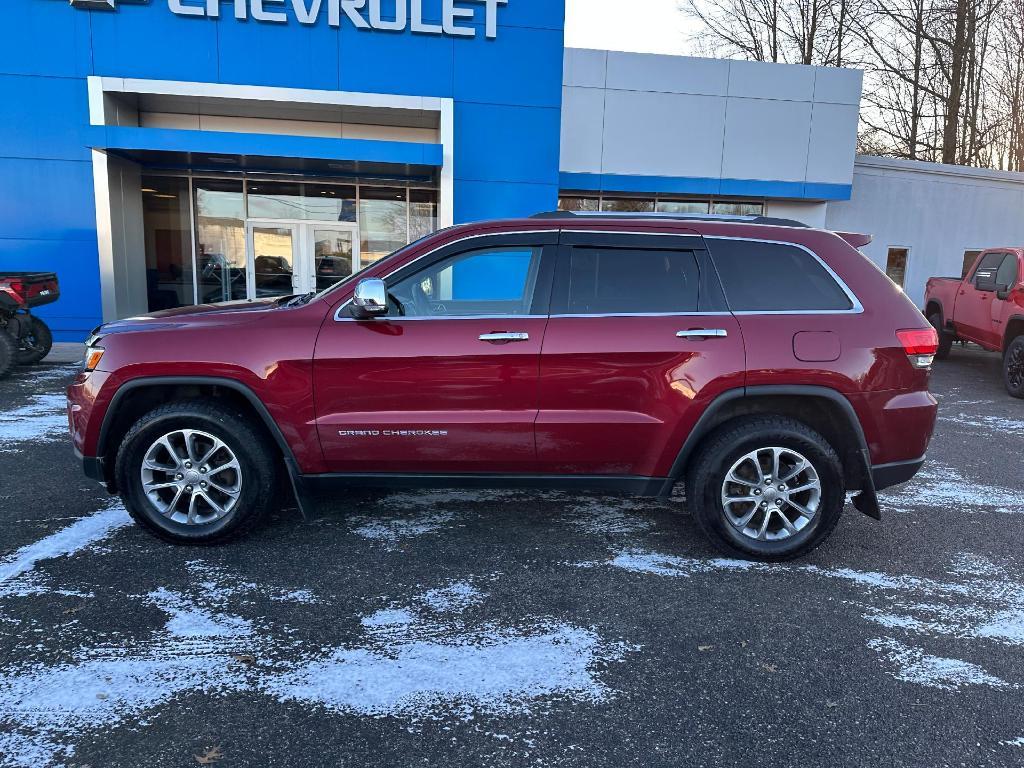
507 94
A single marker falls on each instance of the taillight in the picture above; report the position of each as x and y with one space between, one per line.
13 288
920 344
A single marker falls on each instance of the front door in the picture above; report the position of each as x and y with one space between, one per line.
638 343
972 315
446 382
292 257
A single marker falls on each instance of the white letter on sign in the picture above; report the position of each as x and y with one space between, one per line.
492 17
306 15
416 22
184 10
451 14
351 9
261 15
377 22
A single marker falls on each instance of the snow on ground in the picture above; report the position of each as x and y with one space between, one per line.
43 420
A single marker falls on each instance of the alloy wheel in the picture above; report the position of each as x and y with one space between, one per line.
771 494
1015 367
191 477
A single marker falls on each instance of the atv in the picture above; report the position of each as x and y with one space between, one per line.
24 338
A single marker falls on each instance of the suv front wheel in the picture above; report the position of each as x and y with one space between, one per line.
770 488
195 472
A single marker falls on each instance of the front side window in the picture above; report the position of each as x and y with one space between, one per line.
606 281
487 281
984 275
775 277
1007 274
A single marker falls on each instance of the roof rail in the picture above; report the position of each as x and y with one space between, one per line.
767 220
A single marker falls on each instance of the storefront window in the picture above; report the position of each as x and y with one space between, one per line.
308 202
383 222
167 221
682 206
220 239
738 209
627 205
422 213
573 203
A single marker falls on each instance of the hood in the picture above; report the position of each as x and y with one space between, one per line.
226 312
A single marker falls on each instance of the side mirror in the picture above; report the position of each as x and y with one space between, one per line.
1003 292
370 299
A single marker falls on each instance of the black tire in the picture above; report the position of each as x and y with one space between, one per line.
35 345
734 440
8 354
1013 367
945 338
256 455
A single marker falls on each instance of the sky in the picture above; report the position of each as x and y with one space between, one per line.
645 26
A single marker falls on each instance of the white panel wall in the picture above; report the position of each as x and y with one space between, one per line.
678 116
937 211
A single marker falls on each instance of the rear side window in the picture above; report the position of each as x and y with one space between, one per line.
775 277
604 281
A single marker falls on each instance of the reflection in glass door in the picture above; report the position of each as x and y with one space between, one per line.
335 254
272 261
293 257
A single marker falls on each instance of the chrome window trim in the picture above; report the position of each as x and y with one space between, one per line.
856 309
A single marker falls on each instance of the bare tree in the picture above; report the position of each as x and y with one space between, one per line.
944 78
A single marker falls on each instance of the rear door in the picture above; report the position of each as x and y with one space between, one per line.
447 381
972 315
639 342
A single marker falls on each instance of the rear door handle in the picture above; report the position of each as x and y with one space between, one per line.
504 337
701 333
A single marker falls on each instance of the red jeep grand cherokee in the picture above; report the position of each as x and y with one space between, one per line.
769 367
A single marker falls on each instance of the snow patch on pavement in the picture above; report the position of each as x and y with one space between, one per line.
913 665
16 577
611 518
984 423
43 420
390 532
640 561
498 671
942 487
455 597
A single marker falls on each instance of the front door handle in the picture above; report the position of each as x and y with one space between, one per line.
504 337
701 333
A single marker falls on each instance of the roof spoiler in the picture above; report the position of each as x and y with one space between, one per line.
855 239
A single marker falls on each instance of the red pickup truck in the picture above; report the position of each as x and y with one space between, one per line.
986 307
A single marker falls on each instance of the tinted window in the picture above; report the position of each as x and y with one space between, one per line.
490 281
774 277
621 281
987 267
1007 274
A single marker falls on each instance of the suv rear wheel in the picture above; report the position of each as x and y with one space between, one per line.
193 472
770 488
1013 367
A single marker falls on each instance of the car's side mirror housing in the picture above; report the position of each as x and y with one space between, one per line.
370 299
1003 292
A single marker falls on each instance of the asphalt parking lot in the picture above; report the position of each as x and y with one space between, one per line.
515 629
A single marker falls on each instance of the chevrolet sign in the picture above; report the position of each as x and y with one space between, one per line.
456 21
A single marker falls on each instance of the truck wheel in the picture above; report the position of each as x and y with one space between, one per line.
1013 367
36 344
767 487
945 338
193 472
8 353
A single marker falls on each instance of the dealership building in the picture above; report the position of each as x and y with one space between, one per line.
163 153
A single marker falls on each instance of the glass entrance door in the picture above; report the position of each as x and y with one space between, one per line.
290 257
335 253
272 260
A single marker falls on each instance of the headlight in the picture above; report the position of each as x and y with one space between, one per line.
93 355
